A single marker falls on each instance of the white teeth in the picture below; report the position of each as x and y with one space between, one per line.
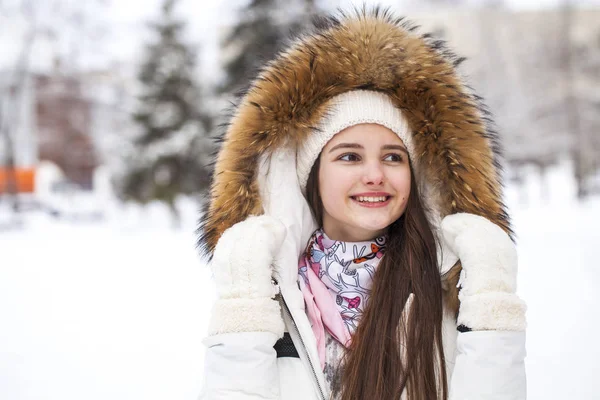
377 199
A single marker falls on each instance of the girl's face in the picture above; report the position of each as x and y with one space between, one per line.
364 182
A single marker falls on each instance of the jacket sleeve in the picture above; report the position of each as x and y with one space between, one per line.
490 365
240 366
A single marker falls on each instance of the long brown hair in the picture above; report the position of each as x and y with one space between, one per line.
389 355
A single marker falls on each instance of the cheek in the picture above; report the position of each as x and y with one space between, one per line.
334 186
401 183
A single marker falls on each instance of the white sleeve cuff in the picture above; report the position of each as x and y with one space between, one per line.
246 315
489 365
492 311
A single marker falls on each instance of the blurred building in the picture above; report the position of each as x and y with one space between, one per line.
64 119
63 123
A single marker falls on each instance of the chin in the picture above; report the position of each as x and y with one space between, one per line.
370 226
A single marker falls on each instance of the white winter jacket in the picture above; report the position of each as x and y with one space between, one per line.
255 173
481 365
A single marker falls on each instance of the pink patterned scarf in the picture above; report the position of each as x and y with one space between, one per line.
336 279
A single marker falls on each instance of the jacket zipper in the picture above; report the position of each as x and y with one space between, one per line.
312 368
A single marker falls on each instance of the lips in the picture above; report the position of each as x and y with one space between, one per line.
371 200
371 197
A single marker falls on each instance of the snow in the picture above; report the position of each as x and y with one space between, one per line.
118 308
95 311
559 277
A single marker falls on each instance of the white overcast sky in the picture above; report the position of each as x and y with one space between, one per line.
126 31
205 20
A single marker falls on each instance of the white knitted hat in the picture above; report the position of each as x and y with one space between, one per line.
345 110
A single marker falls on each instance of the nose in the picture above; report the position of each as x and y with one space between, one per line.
373 174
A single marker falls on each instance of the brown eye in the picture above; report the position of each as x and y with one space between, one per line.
393 157
349 157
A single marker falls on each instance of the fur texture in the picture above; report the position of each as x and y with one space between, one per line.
495 311
260 315
456 146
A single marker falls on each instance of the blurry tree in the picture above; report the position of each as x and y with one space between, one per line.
540 100
580 63
571 100
547 101
587 165
519 59
169 156
263 27
62 24
255 39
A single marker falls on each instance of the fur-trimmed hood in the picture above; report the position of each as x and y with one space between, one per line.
456 147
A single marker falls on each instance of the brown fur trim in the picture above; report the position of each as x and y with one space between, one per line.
449 283
456 146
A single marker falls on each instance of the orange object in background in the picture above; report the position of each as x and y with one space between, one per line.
25 179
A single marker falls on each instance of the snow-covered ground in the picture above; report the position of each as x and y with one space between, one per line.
113 310
559 277
117 309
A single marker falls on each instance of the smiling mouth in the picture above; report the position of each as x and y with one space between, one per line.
371 199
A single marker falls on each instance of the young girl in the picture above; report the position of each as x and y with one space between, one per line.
357 182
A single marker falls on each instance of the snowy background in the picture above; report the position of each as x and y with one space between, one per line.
103 299
117 309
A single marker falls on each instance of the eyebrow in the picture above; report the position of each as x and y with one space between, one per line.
358 146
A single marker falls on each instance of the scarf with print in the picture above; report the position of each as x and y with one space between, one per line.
335 280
